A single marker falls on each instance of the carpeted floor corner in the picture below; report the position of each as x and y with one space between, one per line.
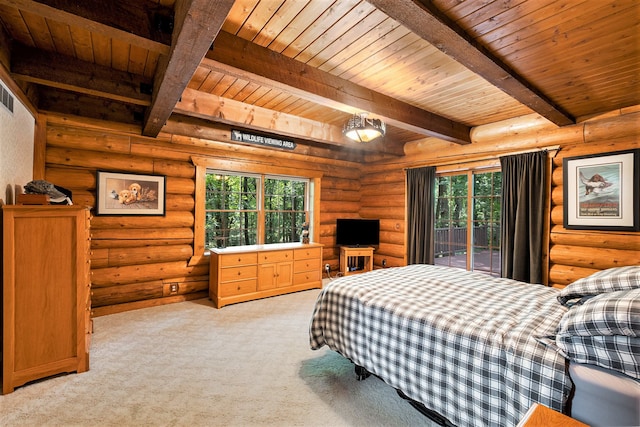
189 364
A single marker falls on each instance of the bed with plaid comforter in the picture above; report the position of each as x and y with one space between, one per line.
461 343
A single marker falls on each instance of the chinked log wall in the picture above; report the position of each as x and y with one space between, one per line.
134 259
572 253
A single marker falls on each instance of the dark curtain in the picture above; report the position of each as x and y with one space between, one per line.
523 201
420 204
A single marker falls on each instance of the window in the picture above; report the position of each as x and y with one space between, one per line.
285 207
249 209
231 210
467 221
234 167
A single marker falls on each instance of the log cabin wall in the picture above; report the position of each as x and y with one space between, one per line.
383 197
134 259
572 254
577 253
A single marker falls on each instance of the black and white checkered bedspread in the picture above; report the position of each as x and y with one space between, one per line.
461 343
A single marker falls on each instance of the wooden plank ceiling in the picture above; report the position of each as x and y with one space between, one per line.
301 68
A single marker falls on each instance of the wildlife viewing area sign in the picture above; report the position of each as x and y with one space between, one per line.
252 138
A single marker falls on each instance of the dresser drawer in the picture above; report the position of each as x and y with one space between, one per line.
237 288
308 253
301 265
306 277
258 271
274 256
230 260
238 273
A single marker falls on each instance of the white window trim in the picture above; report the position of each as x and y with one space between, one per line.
202 164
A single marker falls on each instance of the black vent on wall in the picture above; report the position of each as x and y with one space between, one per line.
7 98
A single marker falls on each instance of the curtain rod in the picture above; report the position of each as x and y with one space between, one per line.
533 150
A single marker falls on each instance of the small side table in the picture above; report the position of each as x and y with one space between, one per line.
354 260
541 416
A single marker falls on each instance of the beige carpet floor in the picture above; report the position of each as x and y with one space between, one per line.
189 364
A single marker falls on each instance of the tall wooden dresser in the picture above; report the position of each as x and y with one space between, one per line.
46 295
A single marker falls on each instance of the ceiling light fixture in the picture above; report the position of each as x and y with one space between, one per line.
361 129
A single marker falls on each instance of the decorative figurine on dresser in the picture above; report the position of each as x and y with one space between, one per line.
46 298
305 233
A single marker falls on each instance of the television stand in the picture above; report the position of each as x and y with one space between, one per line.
354 260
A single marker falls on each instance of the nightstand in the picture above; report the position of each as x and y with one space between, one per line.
354 260
541 416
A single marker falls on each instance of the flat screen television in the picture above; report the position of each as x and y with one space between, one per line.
357 232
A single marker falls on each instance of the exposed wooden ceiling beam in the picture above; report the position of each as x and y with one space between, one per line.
243 59
84 105
215 108
126 20
65 72
222 110
425 20
196 24
195 127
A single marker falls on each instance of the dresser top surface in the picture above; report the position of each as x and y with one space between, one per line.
261 248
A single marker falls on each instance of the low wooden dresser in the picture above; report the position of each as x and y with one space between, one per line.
245 273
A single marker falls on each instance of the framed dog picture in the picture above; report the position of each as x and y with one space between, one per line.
130 194
601 191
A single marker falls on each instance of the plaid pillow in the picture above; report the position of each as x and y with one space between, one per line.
610 280
613 313
618 352
605 331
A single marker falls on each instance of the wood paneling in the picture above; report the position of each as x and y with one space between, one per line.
576 253
86 69
531 34
572 253
135 257
302 67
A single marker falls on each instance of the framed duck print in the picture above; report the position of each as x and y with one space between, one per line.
601 191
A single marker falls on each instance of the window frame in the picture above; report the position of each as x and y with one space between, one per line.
264 212
478 168
259 191
244 167
261 210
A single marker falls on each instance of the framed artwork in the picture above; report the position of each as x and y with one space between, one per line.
601 191
130 194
